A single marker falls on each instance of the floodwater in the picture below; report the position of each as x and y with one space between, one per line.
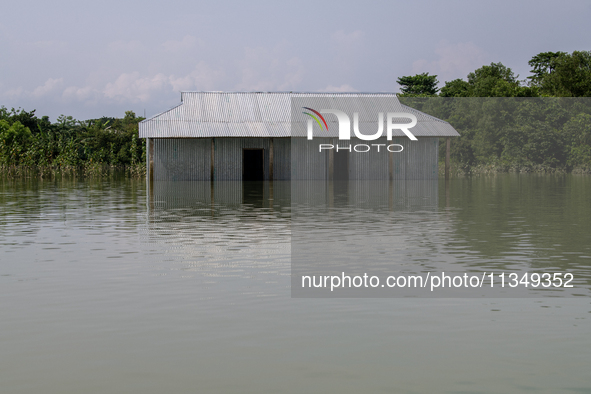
108 288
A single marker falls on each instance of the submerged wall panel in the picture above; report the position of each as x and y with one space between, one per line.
370 165
228 156
227 159
189 159
307 162
282 159
182 159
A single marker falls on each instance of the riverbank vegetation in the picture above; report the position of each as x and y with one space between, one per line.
541 124
514 134
32 146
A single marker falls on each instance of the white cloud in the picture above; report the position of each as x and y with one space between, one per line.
455 61
202 77
49 86
134 88
80 94
131 87
15 93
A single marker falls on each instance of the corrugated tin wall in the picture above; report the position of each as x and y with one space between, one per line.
371 165
420 160
228 157
189 159
307 163
182 159
282 159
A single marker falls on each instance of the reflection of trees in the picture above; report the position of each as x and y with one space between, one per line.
534 222
511 220
27 203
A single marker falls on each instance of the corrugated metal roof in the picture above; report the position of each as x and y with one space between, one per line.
269 114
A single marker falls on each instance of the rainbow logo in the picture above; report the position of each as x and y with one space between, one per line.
315 118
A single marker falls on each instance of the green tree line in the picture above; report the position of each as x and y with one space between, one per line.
541 124
550 130
27 141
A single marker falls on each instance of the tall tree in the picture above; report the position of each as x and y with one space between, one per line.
565 75
420 84
495 80
456 88
543 64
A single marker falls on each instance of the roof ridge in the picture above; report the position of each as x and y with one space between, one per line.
269 114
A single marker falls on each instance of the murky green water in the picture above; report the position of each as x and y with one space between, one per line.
103 290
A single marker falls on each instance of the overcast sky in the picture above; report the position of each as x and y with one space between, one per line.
101 58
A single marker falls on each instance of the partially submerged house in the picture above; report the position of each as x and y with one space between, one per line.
239 136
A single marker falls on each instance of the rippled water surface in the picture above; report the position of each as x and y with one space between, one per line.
106 288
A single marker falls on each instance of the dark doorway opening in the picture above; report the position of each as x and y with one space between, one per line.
341 166
252 165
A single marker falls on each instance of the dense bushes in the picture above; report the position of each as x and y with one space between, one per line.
29 142
515 134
